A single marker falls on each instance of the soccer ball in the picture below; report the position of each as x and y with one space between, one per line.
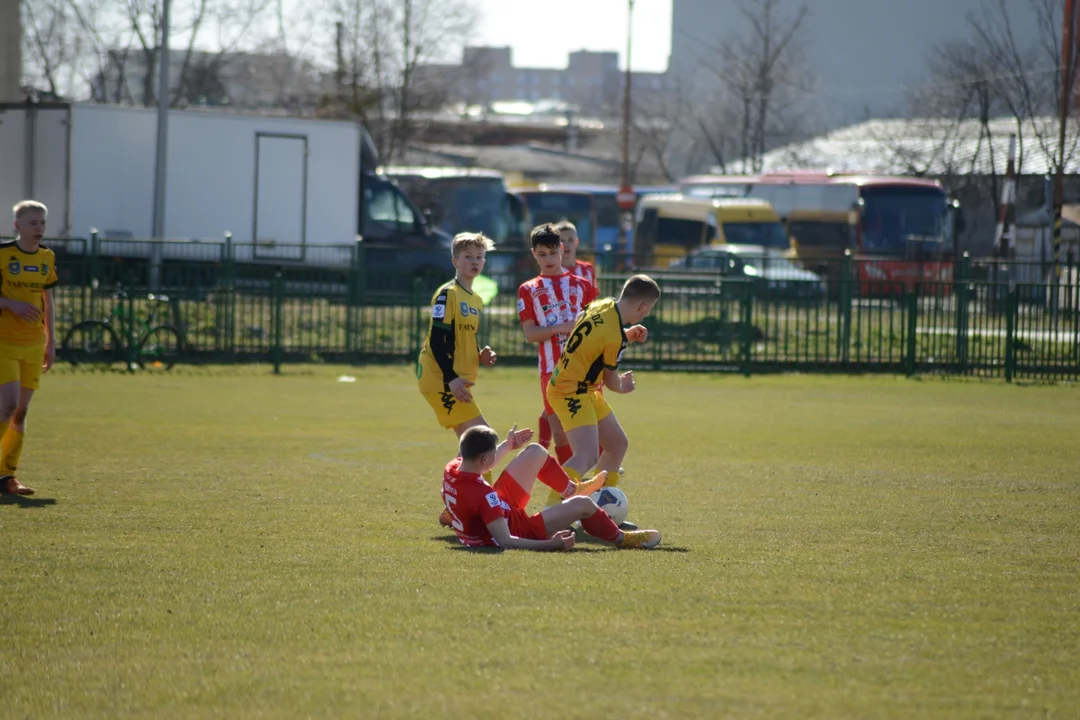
613 501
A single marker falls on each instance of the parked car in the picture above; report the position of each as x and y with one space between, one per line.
774 275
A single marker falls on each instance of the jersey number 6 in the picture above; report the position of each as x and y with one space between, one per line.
583 329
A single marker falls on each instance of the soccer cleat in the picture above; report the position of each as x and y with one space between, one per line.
588 487
627 525
12 486
444 518
644 539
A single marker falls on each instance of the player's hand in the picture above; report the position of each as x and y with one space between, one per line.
50 356
487 356
637 334
563 540
460 388
27 311
627 381
518 438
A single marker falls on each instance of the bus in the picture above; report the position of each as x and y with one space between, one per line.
460 199
609 216
546 205
670 226
905 227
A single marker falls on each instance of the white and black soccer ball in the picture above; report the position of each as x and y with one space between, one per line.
613 501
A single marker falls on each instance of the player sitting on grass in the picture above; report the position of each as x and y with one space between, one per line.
486 516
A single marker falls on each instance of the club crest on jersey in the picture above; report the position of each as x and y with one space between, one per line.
13 266
466 310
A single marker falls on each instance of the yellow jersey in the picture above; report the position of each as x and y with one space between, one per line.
25 276
450 350
596 342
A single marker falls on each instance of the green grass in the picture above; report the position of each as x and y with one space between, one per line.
220 542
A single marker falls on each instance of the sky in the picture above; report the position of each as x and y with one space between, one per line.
543 33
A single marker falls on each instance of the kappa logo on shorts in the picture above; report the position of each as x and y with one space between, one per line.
448 401
573 405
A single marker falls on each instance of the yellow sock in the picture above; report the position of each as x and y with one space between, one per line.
11 442
612 479
555 498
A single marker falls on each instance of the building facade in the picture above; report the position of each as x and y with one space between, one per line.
591 82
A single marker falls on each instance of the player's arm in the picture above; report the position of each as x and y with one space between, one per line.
618 383
500 530
536 334
50 329
514 439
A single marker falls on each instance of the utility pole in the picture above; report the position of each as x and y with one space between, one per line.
1068 77
624 185
162 149
10 51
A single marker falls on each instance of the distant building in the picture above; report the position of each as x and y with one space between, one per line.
865 54
591 82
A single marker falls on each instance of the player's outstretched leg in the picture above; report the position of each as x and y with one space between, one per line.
595 522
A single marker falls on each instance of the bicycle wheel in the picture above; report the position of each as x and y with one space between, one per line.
159 348
91 342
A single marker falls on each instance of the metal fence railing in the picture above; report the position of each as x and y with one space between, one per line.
228 306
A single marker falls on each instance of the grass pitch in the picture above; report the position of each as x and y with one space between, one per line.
227 543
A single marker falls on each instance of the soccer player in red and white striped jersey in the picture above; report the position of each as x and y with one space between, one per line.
581 268
547 306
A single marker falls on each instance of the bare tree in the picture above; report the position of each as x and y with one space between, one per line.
763 79
384 44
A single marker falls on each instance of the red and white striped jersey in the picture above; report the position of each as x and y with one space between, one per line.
550 300
586 270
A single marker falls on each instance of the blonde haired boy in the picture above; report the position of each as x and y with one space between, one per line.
27 331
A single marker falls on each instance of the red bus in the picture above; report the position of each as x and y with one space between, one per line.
904 227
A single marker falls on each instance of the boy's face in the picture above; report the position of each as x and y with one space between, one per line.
31 225
470 261
549 258
639 311
570 243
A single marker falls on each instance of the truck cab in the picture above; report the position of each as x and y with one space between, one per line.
397 244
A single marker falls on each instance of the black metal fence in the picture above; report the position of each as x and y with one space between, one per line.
231 302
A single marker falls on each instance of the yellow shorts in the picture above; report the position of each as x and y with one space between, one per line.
450 411
576 411
22 364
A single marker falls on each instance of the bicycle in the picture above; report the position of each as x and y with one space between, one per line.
113 337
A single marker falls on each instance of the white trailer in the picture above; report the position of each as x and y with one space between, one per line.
278 185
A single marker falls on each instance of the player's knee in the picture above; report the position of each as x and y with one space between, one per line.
618 444
7 411
19 416
533 450
583 506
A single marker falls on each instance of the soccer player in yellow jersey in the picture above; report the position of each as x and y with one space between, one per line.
451 358
591 354
27 331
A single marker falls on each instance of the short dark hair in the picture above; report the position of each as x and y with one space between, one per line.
476 441
640 287
565 225
546 235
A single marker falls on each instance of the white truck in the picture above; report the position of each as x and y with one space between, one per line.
287 190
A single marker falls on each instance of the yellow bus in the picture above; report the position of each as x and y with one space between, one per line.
819 237
669 226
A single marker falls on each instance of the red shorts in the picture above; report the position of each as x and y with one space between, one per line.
522 525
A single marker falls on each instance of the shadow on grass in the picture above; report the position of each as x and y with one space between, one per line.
26 502
585 544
